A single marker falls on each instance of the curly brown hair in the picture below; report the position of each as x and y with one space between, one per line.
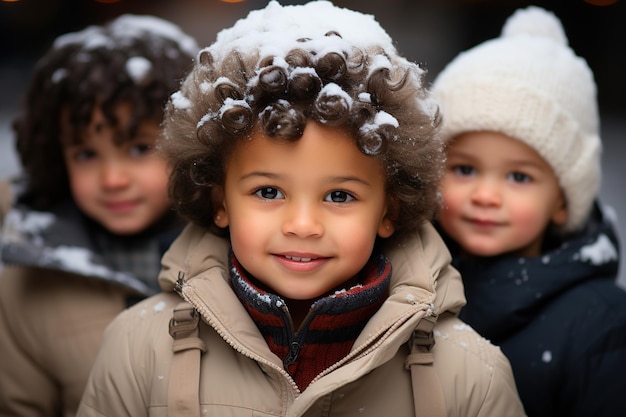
90 68
384 107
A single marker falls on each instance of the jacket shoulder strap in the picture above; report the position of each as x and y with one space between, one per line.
427 392
184 384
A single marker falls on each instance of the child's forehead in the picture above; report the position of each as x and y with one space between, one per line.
495 146
119 118
321 148
317 133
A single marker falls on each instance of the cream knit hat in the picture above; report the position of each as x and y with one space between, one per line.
528 84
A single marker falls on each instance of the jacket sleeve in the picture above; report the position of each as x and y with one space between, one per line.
51 327
112 388
475 375
130 374
26 389
502 398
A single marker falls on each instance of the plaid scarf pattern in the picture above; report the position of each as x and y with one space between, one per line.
138 255
329 329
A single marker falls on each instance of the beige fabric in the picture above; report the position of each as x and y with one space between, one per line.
240 376
51 325
6 198
185 370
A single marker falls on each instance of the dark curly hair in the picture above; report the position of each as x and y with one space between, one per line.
90 68
384 107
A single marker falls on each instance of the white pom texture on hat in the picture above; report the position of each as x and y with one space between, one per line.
529 85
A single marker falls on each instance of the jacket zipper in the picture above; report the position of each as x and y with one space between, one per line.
246 352
294 349
375 340
296 343
292 355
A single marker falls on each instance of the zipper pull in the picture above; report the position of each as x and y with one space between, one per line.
431 310
292 355
178 287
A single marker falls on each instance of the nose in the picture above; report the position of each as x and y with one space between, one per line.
114 175
303 220
487 192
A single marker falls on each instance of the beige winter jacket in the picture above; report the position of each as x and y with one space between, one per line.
240 376
51 325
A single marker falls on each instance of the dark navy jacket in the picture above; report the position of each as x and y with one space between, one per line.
560 318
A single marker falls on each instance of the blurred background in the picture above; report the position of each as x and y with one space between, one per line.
430 32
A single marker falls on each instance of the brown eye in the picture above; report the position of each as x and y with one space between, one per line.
269 193
339 197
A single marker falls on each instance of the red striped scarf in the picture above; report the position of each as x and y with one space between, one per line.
331 326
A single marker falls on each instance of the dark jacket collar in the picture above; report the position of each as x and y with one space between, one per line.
504 293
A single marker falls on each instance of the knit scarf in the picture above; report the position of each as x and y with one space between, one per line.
329 329
140 254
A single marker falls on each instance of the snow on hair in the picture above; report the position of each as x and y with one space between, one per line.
373 93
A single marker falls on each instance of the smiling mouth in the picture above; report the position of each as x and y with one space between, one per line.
302 264
484 222
298 259
121 206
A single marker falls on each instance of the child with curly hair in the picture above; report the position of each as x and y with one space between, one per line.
85 227
304 153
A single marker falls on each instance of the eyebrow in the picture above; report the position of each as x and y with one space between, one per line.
349 178
508 161
337 179
260 174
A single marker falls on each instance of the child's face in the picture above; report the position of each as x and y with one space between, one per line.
499 195
303 215
121 186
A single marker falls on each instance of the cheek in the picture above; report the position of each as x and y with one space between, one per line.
248 235
157 186
529 217
451 211
354 240
452 201
81 184
150 178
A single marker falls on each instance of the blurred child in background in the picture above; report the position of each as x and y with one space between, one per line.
537 252
85 227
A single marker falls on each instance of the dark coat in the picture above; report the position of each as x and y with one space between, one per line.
560 318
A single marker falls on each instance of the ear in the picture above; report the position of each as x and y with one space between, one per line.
386 226
559 215
220 214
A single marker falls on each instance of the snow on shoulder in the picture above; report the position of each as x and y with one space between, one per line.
276 29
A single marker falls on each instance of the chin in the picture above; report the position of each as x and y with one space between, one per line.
484 251
124 230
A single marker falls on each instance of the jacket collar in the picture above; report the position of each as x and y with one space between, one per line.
505 293
196 265
422 273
